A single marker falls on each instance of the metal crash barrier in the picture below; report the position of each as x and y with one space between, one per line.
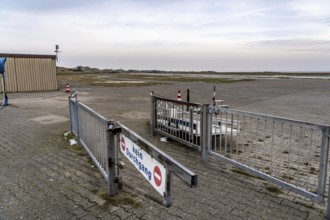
291 154
107 141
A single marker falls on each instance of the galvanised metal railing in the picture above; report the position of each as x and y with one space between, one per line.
93 136
291 154
98 136
90 129
177 119
73 110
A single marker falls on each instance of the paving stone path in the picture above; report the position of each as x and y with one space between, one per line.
42 177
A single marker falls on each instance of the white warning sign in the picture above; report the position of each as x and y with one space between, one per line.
149 167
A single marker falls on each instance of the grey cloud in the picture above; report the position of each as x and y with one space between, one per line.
45 5
325 21
292 44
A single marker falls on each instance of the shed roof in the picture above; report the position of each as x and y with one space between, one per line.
27 55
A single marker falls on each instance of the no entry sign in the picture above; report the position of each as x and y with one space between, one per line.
123 144
157 176
149 167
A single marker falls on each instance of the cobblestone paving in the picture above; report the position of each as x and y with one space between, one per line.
42 177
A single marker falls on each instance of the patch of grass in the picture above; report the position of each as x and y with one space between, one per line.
242 172
122 84
120 200
90 161
274 190
293 168
180 78
286 177
100 79
92 79
105 196
67 73
83 153
94 191
68 135
76 147
312 170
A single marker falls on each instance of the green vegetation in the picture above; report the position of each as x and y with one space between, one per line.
273 189
123 78
242 172
129 79
312 170
120 199
86 69
286 177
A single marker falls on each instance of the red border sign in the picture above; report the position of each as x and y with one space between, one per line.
123 144
157 176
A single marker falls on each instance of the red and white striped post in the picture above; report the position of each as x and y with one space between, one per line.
179 96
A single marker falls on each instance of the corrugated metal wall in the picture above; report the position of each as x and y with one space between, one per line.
30 73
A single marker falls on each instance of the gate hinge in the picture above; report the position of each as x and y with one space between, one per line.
114 128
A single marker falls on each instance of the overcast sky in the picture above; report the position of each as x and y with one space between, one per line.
232 35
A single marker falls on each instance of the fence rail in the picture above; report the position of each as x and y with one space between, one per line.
98 137
289 153
90 129
177 119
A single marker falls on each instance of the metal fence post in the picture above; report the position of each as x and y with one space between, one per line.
191 124
152 112
76 104
169 183
324 163
206 129
70 113
111 168
120 164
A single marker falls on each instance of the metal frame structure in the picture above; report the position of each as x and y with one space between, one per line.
90 128
291 154
177 120
99 137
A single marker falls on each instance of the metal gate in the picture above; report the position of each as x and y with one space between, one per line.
177 119
289 153
106 141
292 154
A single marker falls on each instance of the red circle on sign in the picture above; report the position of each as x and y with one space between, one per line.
157 176
123 145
